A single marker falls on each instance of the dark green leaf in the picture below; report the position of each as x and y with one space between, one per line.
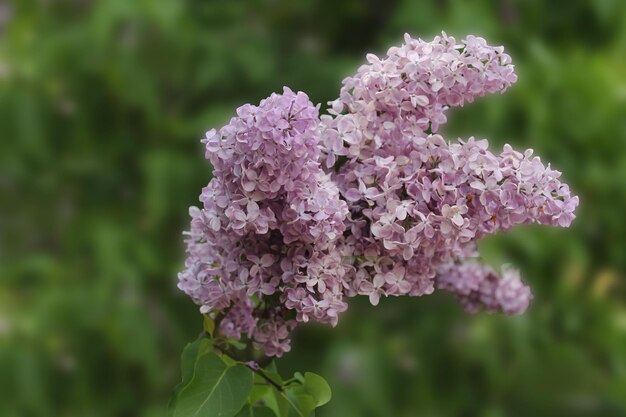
188 361
216 389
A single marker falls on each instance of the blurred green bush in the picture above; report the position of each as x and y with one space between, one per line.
102 104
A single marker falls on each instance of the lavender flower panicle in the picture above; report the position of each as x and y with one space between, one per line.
305 211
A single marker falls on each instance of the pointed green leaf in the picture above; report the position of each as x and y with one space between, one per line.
216 389
188 361
209 324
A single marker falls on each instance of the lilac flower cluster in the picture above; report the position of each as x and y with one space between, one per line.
478 287
264 243
304 211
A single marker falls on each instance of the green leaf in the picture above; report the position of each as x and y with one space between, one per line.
209 324
317 387
300 396
267 394
188 361
272 372
236 343
260 390
228 360
216 389
275 399
256 411
306 393
206 346
301 404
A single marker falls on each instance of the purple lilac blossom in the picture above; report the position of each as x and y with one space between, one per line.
305 211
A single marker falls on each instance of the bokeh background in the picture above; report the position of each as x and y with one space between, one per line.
102 105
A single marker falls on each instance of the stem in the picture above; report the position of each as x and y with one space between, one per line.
264 361
263 375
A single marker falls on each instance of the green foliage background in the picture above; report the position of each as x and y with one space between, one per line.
102 105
